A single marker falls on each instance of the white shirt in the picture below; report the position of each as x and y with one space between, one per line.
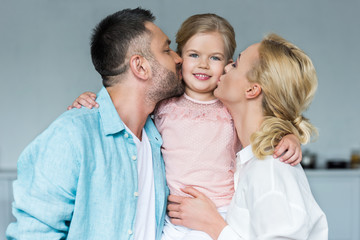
145 224
272 200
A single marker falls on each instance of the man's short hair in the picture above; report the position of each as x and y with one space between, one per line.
111 40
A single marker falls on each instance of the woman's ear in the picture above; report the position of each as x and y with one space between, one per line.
140 67
253 91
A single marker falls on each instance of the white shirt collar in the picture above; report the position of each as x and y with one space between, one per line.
245 155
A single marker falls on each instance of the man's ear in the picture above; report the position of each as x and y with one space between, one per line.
253 91
140 67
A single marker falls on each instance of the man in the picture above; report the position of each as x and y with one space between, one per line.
99 174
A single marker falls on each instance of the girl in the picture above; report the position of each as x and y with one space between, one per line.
268 88
199 137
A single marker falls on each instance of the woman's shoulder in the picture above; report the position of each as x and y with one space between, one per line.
272 175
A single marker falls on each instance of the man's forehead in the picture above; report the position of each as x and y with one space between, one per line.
156 31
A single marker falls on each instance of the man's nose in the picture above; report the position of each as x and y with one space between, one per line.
177 58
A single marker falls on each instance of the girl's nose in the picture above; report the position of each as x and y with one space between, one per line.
204 63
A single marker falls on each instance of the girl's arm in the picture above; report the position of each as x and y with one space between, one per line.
86 99
289 150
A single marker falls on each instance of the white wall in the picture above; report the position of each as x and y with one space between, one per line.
45 61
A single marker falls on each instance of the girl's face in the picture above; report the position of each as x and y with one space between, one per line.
234 84
203 64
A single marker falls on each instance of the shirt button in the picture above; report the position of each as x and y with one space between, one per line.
130 232
133 157
136 194
126 135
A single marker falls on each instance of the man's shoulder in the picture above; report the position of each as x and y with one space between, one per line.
73 122
78 116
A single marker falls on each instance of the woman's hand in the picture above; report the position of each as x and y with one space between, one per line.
86 99
198 213
289 148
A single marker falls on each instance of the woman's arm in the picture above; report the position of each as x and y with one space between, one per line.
273 217
198 213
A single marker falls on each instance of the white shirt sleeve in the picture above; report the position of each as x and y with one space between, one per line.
272 217
229 234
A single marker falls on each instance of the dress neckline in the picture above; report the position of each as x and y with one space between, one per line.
201 102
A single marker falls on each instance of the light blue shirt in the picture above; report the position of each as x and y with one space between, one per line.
78 179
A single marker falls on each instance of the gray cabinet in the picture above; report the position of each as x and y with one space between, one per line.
338 194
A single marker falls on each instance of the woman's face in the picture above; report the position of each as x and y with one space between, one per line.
233 85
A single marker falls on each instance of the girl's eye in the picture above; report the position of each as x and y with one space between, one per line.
215 58
167 50
193 55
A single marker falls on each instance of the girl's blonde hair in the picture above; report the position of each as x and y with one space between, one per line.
206 23
289 82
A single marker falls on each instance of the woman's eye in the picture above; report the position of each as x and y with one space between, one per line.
233 65
193 55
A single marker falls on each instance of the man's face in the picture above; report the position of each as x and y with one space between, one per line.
165 67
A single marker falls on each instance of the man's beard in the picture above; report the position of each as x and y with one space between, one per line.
166 83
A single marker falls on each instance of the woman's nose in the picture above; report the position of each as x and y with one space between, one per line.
228 67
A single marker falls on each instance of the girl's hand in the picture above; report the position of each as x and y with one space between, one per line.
87 99
197 213
289 148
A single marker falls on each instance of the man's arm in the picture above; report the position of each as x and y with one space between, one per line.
45 190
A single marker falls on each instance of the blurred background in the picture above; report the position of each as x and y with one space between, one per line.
45 64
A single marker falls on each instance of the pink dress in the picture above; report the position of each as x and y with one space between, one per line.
200 146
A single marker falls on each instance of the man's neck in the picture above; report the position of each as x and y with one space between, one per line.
131 107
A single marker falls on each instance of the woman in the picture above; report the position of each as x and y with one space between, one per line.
266 91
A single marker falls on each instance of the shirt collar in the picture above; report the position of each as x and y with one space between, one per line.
245 155
110 118
112 122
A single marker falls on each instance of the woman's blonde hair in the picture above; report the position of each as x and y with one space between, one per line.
206 23
289 82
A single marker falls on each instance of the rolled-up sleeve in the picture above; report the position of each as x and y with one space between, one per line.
44 193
